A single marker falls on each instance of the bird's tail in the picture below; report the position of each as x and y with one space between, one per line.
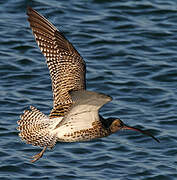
35 128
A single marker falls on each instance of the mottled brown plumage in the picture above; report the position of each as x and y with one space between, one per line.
74 116
67 68
34 128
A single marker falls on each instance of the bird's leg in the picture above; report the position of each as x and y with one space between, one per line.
39 155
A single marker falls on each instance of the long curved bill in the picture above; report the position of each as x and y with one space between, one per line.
141 131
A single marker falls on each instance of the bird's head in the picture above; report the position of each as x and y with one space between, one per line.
117 125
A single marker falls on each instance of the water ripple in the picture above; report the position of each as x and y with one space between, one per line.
130 51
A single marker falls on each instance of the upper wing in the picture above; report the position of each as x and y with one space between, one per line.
67 68
84 111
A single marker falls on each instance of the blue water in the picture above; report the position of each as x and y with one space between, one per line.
130 48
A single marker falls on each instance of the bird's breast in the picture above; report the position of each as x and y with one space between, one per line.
71 134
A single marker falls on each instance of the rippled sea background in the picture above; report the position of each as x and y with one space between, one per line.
130 48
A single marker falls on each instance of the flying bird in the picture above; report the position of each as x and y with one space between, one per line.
75 115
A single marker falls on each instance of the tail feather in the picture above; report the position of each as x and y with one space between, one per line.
35 129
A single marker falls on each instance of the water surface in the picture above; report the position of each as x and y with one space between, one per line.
130 48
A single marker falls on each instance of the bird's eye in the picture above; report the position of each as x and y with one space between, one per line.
119 126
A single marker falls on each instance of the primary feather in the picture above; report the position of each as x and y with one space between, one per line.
67 67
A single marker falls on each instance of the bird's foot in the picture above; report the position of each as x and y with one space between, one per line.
38 156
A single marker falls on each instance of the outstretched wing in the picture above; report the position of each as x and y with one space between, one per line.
67 68
84 111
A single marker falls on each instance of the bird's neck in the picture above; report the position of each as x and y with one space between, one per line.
106 122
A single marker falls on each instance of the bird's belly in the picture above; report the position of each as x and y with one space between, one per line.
76 138
82 135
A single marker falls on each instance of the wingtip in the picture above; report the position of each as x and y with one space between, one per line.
28 10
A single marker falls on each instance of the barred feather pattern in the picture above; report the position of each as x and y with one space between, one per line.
67 68
35 127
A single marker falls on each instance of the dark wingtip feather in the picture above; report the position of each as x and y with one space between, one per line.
29 10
